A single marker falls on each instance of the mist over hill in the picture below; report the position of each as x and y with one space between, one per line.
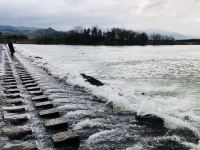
31 32
34 31
177 36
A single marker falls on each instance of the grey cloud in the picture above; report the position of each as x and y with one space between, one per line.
173 15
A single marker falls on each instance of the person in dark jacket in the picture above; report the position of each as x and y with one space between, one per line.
11 47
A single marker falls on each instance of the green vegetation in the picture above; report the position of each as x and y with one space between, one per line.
95 36
91 36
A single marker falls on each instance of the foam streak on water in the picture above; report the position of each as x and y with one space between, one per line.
169 77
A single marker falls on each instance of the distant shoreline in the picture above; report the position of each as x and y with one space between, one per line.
94 36
177 42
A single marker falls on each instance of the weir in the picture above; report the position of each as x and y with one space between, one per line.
41 112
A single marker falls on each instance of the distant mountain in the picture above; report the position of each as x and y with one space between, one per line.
176 35
20 28
29 31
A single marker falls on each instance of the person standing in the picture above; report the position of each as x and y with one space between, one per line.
11 47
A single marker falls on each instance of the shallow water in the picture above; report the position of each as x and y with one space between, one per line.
169 77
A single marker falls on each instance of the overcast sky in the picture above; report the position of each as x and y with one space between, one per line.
174 15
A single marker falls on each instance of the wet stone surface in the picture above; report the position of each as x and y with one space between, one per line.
14 109
31 84
11 83
49 113
33 88
13 96
28 145
69 138
17 132
56 124
17 101
28 81
16 118
44 105
9 80
40 98
36 93
13 91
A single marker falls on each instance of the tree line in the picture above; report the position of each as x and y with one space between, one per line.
96 36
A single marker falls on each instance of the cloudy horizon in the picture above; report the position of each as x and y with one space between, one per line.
171 15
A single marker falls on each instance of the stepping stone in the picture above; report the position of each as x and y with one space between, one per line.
9 76
9 72
29 145
31 84
16 118
14 109
28 81
68 138
37 93
13 91
44 105
33 88
41 98
56 124
14 101
11 86
13 96
49 113
25 76
11 83
22 71
17 132
9 80
8 69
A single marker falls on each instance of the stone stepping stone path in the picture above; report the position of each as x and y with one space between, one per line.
16 101
17 132
56 124
42 112
14 109
69 138
16 112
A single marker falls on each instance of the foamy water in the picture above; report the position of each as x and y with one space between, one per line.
169 77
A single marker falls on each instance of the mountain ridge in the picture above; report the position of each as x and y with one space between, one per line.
34 31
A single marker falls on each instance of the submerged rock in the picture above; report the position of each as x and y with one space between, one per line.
169 144
29 145
92 80
151 121
185 134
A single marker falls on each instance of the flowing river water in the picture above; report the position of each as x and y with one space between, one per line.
163 81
